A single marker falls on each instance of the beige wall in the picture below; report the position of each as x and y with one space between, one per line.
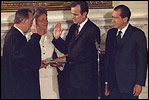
102 17
138 8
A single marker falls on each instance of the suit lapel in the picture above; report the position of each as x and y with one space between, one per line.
83 30
71 44
75 39
114 37
126 36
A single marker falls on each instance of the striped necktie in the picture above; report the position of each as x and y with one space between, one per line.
77 30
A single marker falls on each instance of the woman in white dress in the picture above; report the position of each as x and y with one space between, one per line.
48 74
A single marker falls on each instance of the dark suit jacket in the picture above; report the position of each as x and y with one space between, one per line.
20 66
128 60
81 66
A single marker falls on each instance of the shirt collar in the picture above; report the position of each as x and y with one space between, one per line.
19 30
123 30
82 24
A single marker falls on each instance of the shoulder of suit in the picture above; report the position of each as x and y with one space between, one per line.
136 31
73 26
135 28
13 31
92 25
112 30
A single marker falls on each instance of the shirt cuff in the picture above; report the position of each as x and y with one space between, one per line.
106 82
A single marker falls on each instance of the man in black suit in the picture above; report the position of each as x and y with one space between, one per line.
81 70
21 60
126 57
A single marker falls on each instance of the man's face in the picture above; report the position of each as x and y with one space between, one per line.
28 22
77 17
42 22
117 20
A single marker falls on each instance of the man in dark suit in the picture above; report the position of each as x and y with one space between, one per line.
21 60
81 71
126 57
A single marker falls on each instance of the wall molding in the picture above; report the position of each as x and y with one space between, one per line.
9 6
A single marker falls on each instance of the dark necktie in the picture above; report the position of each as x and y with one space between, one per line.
119 37
77 30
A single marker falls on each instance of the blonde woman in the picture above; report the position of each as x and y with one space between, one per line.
48 75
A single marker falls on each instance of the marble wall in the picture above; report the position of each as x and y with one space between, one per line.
103 23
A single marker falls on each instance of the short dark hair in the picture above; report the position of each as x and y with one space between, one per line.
83 6
125 11
37 11
21 14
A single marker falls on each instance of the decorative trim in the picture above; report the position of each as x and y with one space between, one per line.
10 6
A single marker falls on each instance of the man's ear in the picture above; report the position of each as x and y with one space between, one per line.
125 19
23 21
85 14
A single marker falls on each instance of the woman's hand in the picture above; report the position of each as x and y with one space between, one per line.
36 29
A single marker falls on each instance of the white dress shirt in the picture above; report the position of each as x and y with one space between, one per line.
82 24
123 30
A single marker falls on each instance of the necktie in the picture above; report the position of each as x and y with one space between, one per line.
119 37
77 30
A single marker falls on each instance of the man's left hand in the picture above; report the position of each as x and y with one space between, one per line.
137 90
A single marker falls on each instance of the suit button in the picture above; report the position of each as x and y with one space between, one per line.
69 62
